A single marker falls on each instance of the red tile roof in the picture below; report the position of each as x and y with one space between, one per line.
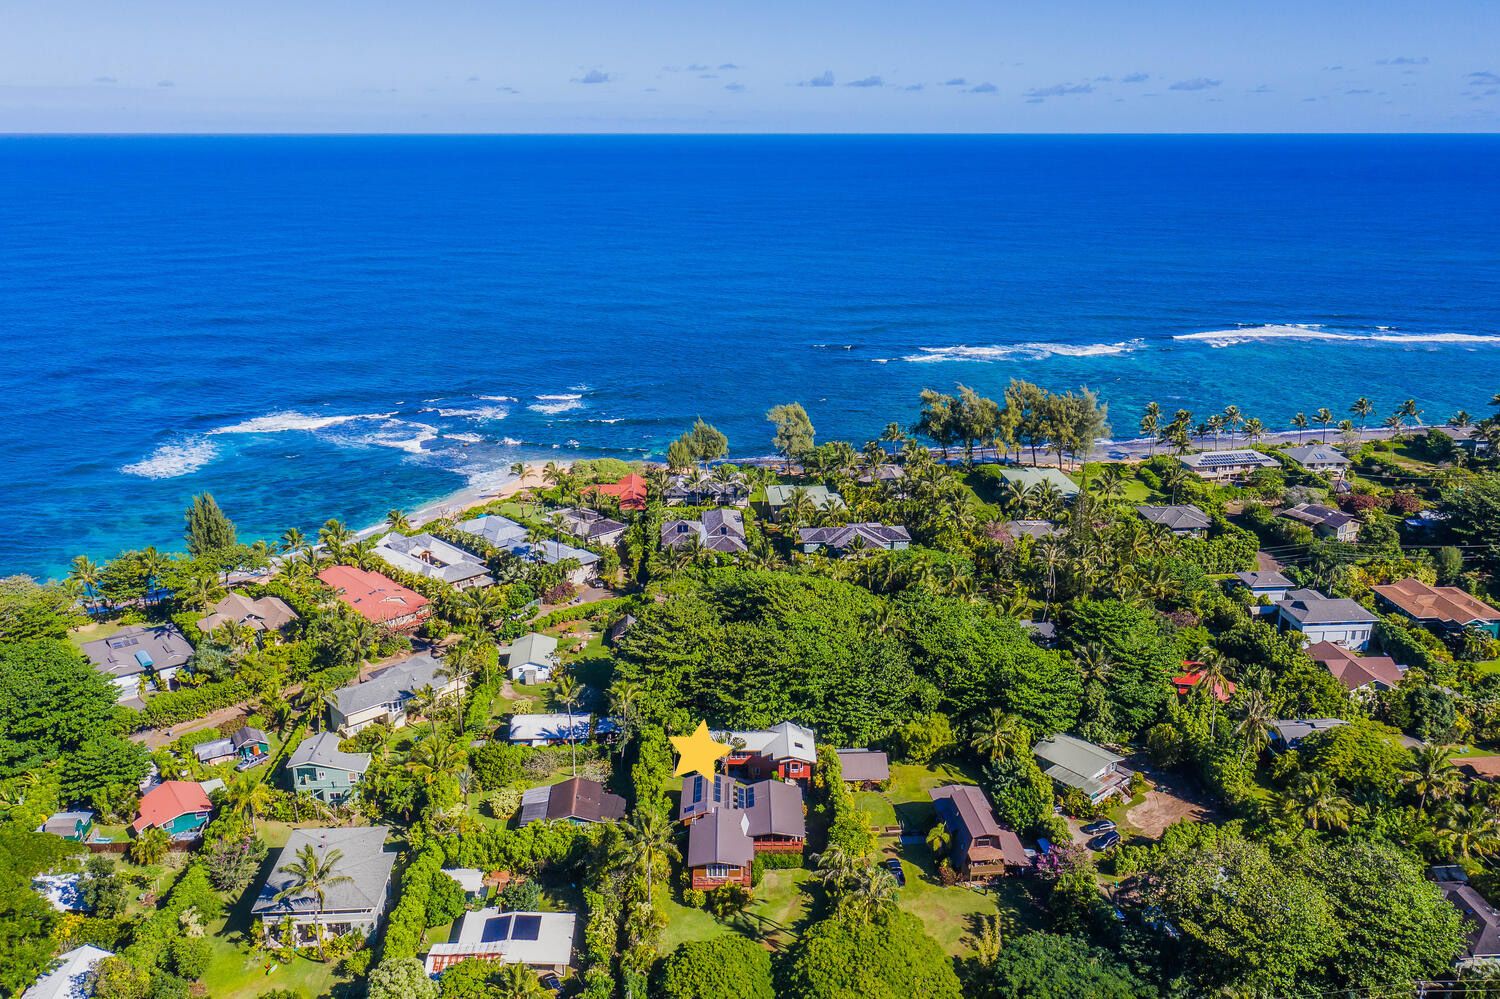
1354 671
372 595
1447 604
167 800
1187 681
630 491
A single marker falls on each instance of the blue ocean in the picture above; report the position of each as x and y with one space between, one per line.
333 326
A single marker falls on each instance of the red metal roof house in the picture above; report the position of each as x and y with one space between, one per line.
375 598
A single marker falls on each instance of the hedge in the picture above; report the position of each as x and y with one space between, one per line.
589 611
407 923
173 706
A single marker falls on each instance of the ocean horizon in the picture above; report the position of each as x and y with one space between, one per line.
331 326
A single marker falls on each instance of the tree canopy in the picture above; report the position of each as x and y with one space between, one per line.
888 957
726 968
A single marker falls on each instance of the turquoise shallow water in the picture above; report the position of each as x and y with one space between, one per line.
314 327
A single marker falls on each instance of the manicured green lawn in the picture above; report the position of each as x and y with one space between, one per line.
93 632
774 918
1488 666
877 808
909 787
685 925
950 914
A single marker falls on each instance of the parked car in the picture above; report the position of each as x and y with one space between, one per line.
551 983
1102 826
893 864
1104 842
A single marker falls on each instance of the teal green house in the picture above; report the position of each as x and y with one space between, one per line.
318 767
179 807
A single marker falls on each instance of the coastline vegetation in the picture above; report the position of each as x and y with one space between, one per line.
1011 608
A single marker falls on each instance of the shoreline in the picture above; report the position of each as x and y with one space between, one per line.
1106 451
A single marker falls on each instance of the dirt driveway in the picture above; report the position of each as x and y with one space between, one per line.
1164 805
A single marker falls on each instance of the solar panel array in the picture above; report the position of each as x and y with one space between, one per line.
512 926
1216 459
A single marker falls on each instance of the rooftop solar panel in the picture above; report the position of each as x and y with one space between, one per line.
496 928
526 928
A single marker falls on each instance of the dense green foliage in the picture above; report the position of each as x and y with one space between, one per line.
889 957
726 968
51 700
1054 966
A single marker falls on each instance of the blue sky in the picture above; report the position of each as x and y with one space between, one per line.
802 66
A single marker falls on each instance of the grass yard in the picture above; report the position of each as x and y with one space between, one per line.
1488 666
685 925
79 637
950 914
908 790
774 918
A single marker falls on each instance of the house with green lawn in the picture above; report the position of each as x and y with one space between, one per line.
180 807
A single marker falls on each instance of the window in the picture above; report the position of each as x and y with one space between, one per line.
721 871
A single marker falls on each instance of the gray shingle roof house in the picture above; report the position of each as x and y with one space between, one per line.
385 695
264 614
1319 458
981 844
719 531
773 807
1481 919
245 742
155 652
576 800
1035 477
356 904
1233 463
318 767
433 558
1073 762
1014 530
1181 520
531 658
720 849
1326 619
853 537
1288 733
705 490
500 532
864 766
822 498
590 525
1265 583
74 826
1326 521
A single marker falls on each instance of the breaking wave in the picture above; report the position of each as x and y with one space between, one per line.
274 423
1024 351
554 404
175 458
1311 331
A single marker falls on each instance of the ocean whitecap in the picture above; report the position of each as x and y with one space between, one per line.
557 403
181 457
273 423
1307 331
1025 351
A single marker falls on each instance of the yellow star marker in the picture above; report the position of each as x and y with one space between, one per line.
698 752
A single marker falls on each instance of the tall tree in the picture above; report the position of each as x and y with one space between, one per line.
208 529
794 430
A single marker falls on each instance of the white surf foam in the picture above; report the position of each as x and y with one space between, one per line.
510 442
474 413
1300 331
1028 351
408 436
466 438
182 457
554 404
274 423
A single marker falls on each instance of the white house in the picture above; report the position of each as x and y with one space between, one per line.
532 658
539 940
1222 466
1326 619
553 729
1320 458
433 558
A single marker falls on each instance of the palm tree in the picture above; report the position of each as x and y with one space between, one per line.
646 842
1409 410
1254 430
247 797
1324 418
292 540
435 756
518 469
1300 422
312 875
1213 678
518 981
553 474
1000 735
335 538
1396 422
1233 417
1364 409
874 891
86 573
1432 775
1053 556
1151 423
398 521
939 839
150 846
566 691
1316 801
1470 832
1460 420
1254 728
623 698
838 869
